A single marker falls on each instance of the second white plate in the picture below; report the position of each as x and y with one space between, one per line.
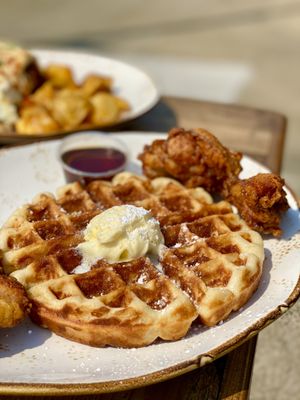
129 82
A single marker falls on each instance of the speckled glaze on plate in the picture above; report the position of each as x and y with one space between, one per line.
35 361
129 82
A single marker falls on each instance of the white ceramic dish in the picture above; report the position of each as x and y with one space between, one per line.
35 361
129 83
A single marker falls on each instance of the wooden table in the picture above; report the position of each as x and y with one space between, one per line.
259 134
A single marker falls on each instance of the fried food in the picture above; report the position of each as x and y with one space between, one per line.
211 263
43 96
95 83
68 105
69 108
35 119
60 76
105 109
260 201
14 303
197 158
35 101
194 157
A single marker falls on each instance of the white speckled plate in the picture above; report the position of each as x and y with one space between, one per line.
35 361
129 82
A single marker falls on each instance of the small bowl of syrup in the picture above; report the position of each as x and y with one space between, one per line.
92 155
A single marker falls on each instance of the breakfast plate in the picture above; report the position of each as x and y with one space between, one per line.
36 361
129 83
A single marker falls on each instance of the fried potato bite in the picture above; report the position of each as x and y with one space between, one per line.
105 109
69 108
61 105
95 83
59 75
44 95
36 119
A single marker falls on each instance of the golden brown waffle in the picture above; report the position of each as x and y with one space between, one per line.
211 264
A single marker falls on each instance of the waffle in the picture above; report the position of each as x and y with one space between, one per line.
211 263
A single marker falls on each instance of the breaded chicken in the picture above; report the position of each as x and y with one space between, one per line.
194 157
260 201
14 303
197 158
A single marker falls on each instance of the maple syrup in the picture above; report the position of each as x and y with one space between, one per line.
95 160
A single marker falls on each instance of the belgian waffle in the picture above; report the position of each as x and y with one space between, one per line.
210 266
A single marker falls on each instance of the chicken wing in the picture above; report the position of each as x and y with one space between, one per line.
260 201
194 157
197 158
14 303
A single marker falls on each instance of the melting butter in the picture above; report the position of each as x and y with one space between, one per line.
121 233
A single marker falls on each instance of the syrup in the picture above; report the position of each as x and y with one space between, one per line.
95 160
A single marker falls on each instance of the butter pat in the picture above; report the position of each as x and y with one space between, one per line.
121 233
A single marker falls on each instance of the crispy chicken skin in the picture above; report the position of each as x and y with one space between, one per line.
194 157
260 201
197 158
14 303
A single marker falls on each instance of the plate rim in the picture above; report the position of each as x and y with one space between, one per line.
13 137
56 389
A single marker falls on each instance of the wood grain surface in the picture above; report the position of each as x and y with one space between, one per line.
259 134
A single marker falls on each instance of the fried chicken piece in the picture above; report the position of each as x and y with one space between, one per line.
14 303
197 158
260 201
194 157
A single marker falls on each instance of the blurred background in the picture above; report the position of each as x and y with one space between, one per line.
244 52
